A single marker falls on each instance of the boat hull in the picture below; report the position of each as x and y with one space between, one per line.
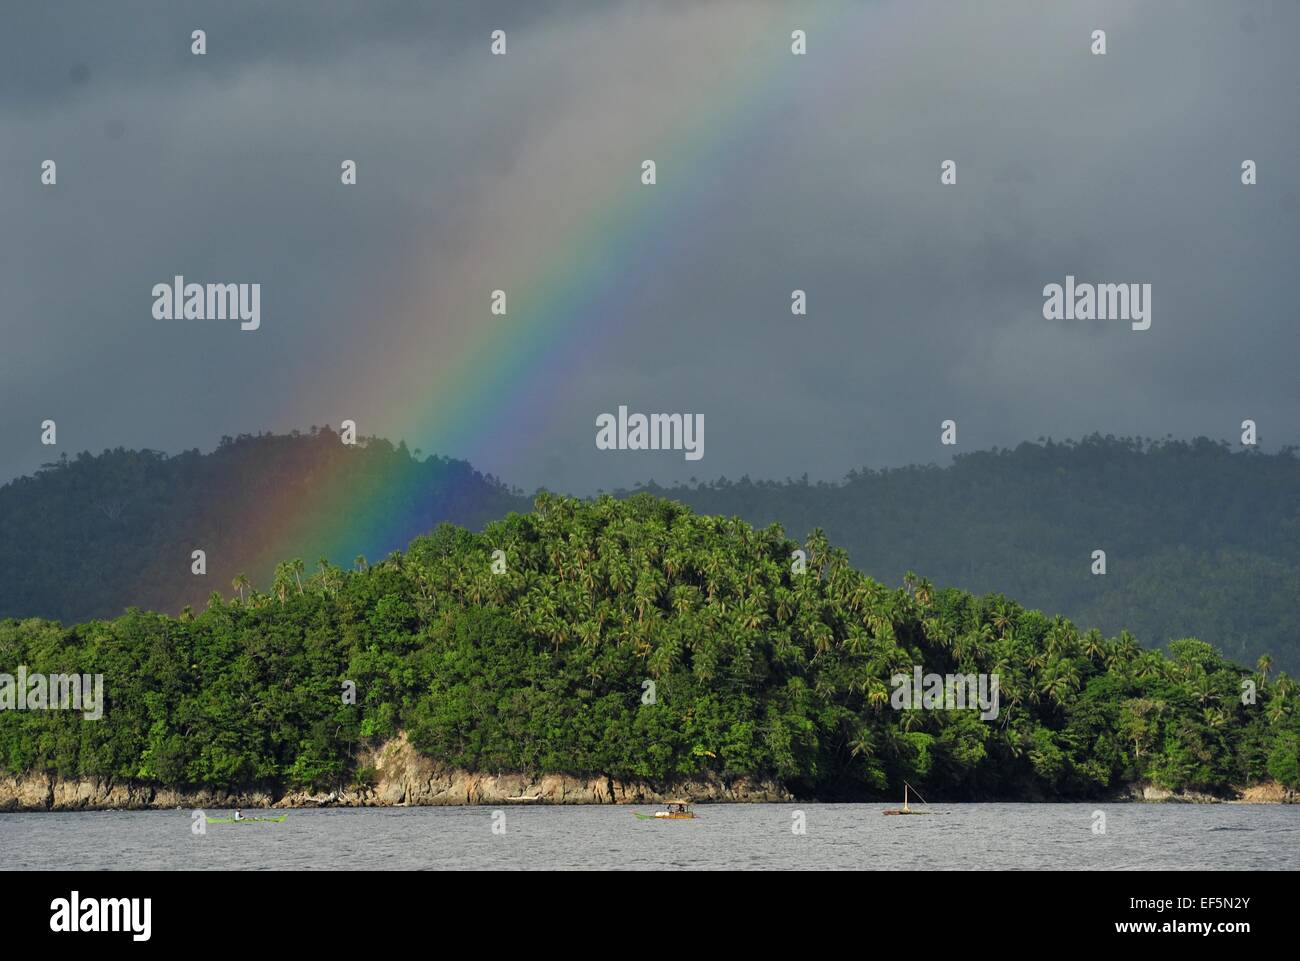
664 817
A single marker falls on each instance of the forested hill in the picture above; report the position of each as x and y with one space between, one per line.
529 648
92 535
1200 540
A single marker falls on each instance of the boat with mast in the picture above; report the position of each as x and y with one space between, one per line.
906 808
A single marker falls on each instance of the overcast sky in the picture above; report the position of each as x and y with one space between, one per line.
775 172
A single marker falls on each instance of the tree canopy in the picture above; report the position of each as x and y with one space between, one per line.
537 659
1201 540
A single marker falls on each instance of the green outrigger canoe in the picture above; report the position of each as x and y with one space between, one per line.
274 820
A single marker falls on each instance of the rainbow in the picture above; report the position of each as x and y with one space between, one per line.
458 385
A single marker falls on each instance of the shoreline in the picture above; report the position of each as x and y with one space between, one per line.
219 804
38 794
402 777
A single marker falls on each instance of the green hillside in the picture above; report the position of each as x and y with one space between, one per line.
541 665
1200 540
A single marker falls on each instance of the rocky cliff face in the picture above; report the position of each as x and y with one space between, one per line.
402 776
1270 793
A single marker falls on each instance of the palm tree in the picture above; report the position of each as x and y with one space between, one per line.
1264 665
752 613
646 593
240 583
589 633
1094 646
1129 646
1278 705
1002 618
1203 687
684 598
1009 688
862 743
283 578
818 546
1216 717
620 577
881 624
665 657
822 637
877 693
785 605
1062 677
1060 639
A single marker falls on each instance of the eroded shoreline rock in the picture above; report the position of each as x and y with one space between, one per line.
404 777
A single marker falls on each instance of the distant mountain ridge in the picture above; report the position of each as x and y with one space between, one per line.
1201 540
88 536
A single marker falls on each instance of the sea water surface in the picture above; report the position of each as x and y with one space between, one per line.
724 836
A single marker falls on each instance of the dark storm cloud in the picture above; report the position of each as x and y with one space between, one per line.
55 51
925 301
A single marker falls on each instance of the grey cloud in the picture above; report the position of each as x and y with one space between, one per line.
925 302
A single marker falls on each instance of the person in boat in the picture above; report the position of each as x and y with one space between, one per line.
239 816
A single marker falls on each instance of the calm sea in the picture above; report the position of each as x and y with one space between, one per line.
752 836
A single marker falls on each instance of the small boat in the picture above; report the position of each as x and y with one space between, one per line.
271 820
676 811
905 809
525 797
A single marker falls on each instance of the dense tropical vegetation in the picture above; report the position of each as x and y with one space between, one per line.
535 659
1201 540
